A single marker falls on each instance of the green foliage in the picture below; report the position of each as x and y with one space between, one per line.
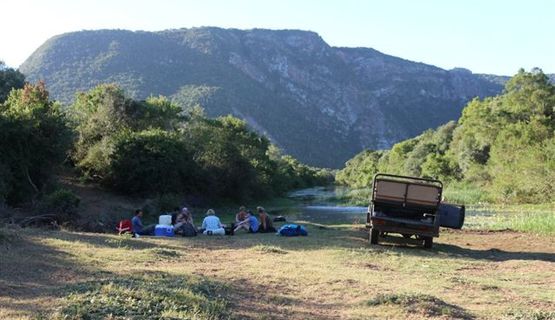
34 139
104 113
150 147
150 161
291 174
63 203
9 79
360 170
152 296
504 145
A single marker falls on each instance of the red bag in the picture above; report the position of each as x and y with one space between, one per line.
125 226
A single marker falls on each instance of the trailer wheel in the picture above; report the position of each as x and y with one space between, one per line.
428 242
374 234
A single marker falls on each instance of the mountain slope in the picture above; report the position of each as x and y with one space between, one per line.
321 104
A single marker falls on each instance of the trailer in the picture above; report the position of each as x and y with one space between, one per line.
405 205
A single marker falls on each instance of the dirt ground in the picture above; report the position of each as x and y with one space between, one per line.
331 274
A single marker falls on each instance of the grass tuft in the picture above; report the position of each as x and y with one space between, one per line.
153 296
163 253
530 315
269 249
421 303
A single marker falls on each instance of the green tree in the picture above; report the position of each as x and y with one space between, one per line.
9 79
34 139
104 112
151 162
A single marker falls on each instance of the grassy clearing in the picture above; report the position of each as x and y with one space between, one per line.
333 273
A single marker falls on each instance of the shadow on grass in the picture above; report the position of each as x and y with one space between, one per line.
31 269
415 247
102 240
492 254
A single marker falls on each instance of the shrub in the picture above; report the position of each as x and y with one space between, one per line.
152 161
63 204
34 139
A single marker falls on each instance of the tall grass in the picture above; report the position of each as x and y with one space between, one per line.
538 219
527 220
464 193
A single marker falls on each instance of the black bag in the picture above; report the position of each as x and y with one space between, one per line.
187 230
229 231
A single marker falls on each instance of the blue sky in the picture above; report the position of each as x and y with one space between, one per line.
487 36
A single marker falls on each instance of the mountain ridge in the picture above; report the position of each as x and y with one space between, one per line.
320 103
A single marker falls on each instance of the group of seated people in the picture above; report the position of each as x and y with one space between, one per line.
211 225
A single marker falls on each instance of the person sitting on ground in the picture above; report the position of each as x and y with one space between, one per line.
174 214
266 224
188 215
138 227
211 224
183 217
184 224
241 215
250 224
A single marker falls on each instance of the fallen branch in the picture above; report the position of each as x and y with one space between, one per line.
45 218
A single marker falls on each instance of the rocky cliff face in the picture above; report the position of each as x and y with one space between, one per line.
321 104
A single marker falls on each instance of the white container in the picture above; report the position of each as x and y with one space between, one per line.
165 220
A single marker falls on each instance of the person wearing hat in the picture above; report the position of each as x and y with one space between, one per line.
212 225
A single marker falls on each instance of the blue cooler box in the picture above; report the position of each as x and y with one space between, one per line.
451 216
162 230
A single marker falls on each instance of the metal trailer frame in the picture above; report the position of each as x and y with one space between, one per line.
405 205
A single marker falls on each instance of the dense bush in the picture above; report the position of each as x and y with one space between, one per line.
34 139
152 147
151 161
63 204
504 144
9 79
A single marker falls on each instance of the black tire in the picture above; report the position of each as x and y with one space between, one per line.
374 234
428 242
407 236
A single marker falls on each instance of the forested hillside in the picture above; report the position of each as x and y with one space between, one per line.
503 144
319 103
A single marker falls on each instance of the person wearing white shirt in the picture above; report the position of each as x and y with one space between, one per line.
212 225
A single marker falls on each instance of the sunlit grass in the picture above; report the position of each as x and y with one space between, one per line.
538 219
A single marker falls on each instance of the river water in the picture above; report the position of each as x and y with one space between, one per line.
317 205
